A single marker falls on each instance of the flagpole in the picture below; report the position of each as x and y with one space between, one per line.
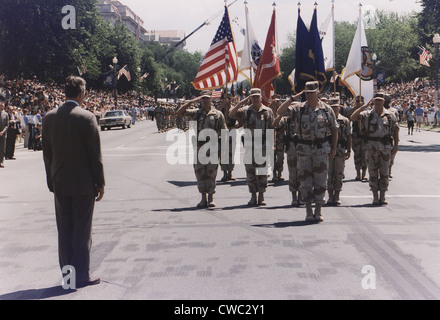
334 44
360 39
274 5
251 71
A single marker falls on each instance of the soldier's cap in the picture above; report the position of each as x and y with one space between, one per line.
312 86
255 92
276 96
324 99
360 99
379 96
334 102
206 94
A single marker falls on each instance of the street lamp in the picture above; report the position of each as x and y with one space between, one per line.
436 41
115 90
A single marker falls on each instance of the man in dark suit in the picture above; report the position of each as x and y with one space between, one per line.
75 174
4 125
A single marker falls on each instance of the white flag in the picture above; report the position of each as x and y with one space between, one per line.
327 33
359 64
252 51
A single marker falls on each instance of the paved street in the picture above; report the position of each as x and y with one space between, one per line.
150 241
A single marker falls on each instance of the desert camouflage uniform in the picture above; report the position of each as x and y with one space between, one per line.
358 146
252 119
206 174
337 164
289 124
313 128
379 130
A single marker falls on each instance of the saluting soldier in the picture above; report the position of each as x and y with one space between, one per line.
387 105
279 142
207 117
382 140
254 117
358 143
317 132
225 107
286 117
337 164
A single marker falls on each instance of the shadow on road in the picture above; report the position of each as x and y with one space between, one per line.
36 294
424 148
286 224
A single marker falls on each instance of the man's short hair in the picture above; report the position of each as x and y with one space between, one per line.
74 86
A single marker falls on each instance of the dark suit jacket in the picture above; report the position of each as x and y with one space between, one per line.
72 151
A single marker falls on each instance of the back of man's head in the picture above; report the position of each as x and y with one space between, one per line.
74 86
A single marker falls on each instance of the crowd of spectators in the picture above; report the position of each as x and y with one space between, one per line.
27 101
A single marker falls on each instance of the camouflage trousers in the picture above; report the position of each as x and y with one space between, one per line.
360 159
292 164
206 176
279 157
159 122
230 165
256 183
312 175
379 169
336 170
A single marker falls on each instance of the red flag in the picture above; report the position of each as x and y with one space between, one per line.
220 64
269 67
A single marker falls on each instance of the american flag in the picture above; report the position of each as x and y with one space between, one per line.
220 65
124 71
424 56
217 94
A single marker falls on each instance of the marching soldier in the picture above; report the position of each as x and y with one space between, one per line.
254 117
387 105
358 143
317 132
158 114
225 107
285 118
207 117
337 164
279 142
382 141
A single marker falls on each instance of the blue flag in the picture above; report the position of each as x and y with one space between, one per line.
309 58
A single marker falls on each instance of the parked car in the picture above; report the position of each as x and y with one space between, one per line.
119 118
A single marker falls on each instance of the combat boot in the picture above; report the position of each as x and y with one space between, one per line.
358 175
261 201
225 176
331 197
280 178
376 201
382 200
230 176
211 202
295 202
203 203
318 215
364 174
275 177
309 213
336 199
253 201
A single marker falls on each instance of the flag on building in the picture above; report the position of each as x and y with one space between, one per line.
358 73
269 67
138 31
220 64
251 53
424 56
124 71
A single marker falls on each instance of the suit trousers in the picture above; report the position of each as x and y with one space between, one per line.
74 222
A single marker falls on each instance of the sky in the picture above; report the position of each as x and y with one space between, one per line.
187 15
